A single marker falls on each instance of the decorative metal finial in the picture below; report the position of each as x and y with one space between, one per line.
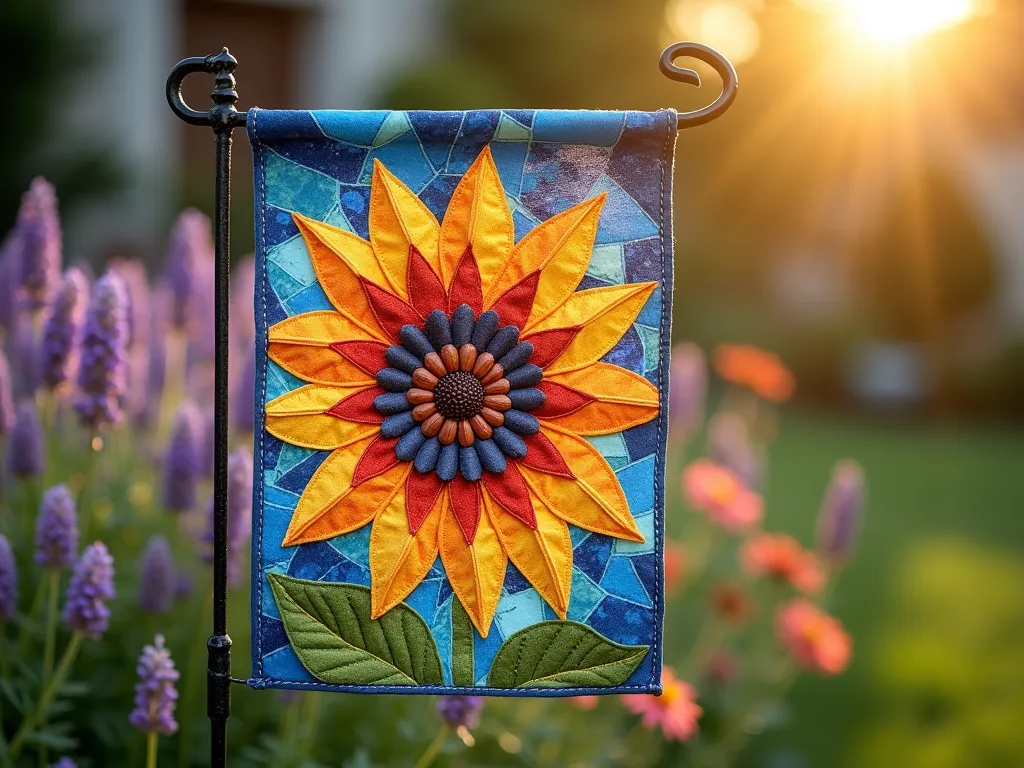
223 114
721 65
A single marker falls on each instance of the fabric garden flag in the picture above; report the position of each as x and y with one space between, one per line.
462 342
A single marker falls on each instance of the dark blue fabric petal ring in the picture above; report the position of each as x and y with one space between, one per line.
402 358
469 464
490 456
510 443
391 403
448 461
516 357
521 423
409 445
506 338
415 341
394 380
525 376
426 456
486 325
527 399
438 329
397 425
462 324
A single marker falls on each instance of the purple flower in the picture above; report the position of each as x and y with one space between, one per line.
156 358
133 273
37 244
729 445
64 762
63 327
27 450
209 445
183 460
460 710
239 515
184 585
189 253
7 414
841 512
243 398
687 389
9 268
90 589
101 371
57 529
8 581
156 576
155 694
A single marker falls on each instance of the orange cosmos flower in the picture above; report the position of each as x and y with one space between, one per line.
714 490
779 556
760 371
816 640
454 382
676 711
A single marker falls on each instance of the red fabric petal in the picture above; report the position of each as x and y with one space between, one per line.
466 505
561 400
391 312
366 355
421 492
548 345
358 407
542 455
426 293
377 459
466 287
509 490
514 305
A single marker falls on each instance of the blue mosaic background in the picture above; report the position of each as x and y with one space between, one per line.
319 164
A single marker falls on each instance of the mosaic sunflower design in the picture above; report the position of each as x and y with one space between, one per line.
454 383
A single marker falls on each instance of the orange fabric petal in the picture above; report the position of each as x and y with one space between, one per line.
594 500
476 571
339 258
477 216
620 399
398 220
300 418
302 346
560 248
544 555
603 315
330 506
399 560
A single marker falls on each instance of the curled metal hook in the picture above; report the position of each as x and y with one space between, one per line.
721 65
223 113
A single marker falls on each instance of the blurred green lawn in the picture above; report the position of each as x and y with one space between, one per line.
939 574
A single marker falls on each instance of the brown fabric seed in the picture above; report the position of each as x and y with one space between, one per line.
497 402
496 373
492 417
450 357
447 433
432 425
424 379
484 363
466 436
418 396
499 387
434 364
481 427
424 411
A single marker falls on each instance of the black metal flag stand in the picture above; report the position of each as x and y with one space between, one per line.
223 118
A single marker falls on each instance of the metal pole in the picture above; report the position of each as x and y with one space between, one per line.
222 118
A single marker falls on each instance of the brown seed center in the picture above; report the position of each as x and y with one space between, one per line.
459 395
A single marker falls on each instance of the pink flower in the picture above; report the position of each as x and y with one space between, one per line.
780 557
816 640
675 711
721 495
586 703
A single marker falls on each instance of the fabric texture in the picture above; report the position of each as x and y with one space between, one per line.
462 340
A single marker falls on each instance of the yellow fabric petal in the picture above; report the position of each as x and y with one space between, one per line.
477 215
298 418
301 345
622 399
399 219
399 560
339 258
561 248
602 314
544 556
330 506
476 571
593 501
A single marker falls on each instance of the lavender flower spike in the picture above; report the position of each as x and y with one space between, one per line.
841 512
189 251
27 451
183 460
37 244
90 589
62 329
687 389
243 396
57 529
460 711
101 372
6 401
239 515
64 762
157 579
8 581
155 694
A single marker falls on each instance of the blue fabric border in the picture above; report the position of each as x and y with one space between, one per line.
281 124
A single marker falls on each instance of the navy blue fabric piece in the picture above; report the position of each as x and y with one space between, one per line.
491 457
394 380
391 403
415 341
469 464
462 325
522 423
506 338
402 358
397 425
448 461
409 445
528 375
426 456
438 329
527 399
510 443
514 358
486 325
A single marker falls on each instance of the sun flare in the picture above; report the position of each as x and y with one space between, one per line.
898 22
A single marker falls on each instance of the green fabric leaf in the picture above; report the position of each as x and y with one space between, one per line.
462 646
330 629
563 654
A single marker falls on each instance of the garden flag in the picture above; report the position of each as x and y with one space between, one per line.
462 355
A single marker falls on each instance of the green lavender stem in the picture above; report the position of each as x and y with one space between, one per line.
53 586
151 743
433 749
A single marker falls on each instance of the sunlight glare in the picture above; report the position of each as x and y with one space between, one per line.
896 22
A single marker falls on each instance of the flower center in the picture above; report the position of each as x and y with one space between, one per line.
459 395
